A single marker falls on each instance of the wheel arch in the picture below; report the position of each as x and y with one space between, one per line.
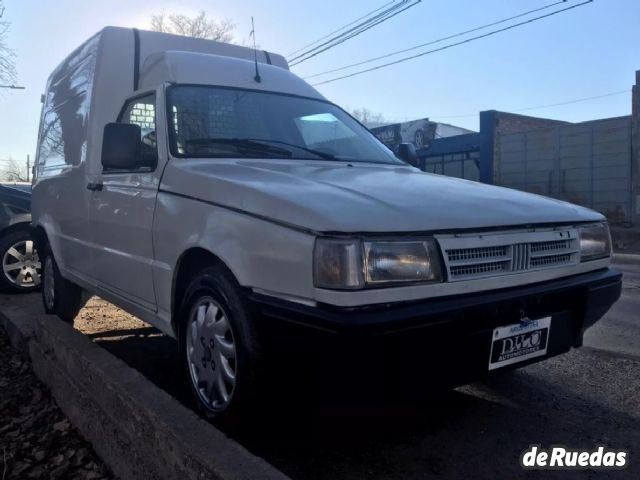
190 263
23 225
40 236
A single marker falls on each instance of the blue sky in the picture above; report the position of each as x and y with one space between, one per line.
588 51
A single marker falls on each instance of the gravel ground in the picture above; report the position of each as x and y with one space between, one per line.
36 440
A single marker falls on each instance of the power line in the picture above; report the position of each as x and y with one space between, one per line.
511 110
468 40
449 37
367 19
537 107
343 27
354 31
343 39
577 100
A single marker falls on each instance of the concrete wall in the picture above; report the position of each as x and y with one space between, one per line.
587 163
635 150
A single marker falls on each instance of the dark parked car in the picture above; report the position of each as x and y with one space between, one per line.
20 262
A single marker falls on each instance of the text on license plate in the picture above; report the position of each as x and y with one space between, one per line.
519 342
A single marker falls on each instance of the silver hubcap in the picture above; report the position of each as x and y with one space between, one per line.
21 264
48 284
211 353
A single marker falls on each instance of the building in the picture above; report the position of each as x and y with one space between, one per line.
594 163
419 132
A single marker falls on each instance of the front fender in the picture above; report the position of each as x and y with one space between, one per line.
261 254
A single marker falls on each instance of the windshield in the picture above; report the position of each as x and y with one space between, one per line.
223 122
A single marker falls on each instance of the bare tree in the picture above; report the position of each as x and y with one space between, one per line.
7 57
14 171
368 118
199 26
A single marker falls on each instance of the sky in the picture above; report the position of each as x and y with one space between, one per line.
589 51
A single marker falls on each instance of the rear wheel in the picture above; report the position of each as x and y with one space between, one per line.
59 296
219 347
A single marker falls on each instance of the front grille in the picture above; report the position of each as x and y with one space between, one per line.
477 253
477 269
551 260
550 246
481 256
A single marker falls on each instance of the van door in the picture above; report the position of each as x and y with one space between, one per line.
121 213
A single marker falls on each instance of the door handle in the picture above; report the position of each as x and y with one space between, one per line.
94 187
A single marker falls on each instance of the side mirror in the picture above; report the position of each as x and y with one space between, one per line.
121 146
407 153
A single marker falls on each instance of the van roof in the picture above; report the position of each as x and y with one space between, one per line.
156 42
208 69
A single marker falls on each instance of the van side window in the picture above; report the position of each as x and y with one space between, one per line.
142 111
63 131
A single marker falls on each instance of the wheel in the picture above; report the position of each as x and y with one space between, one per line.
219 347
59 296
20 262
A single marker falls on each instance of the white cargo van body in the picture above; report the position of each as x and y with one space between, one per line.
208 190
88 90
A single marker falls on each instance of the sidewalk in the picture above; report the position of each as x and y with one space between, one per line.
626 258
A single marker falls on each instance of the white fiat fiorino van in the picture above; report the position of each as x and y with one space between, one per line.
222 199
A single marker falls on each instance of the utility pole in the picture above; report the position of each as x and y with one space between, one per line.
28 168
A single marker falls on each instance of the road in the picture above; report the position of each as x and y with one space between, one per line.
619 330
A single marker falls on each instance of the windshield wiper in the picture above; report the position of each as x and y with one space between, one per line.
319 153
241 143
260 144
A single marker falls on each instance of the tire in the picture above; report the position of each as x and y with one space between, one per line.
219 348
20 263
59 296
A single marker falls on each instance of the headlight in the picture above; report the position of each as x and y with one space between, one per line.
595 242
349 264
401 262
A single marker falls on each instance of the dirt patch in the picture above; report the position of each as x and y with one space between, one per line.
36 439
140 345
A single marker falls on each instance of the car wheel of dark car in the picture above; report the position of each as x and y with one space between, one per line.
59 296
20 263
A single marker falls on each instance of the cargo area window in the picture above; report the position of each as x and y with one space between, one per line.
141 111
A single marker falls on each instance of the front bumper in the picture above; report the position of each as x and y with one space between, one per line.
446 340
587 296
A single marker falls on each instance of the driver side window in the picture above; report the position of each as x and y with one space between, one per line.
141 111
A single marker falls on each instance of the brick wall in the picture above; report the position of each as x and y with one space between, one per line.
514 123
494 123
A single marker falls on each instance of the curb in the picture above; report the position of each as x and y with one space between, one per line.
626 258
137 429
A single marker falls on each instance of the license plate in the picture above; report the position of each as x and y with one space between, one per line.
519 342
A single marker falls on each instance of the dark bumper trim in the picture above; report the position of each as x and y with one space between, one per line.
598 290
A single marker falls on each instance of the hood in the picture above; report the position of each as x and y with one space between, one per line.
336 197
